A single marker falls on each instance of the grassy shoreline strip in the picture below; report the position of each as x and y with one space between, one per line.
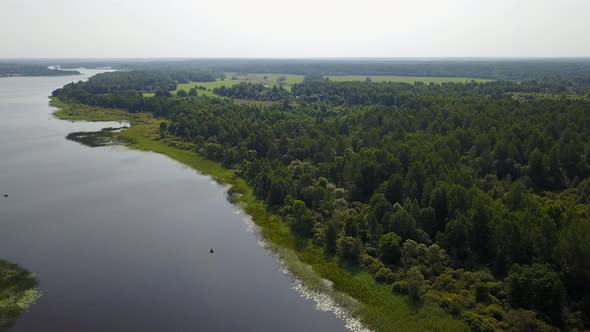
372 303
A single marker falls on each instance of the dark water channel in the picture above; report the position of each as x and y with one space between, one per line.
120 239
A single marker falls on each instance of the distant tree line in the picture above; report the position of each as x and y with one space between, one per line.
573 71
397 94
134 81
568 71
193 75
317 89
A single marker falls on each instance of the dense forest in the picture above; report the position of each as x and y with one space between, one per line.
458 193
19 69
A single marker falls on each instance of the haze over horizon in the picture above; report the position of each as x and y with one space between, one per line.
308 29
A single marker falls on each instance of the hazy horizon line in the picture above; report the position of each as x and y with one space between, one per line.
426 58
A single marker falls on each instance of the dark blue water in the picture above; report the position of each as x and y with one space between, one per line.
120 239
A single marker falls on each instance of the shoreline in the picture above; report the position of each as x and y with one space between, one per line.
351 295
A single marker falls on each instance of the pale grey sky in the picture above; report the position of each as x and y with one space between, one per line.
294 28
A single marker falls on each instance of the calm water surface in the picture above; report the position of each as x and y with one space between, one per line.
120 239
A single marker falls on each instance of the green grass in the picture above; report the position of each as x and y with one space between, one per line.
405 79
272 79
266 79
374 304
208 85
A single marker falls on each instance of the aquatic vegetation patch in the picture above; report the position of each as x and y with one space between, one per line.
93 139
17 292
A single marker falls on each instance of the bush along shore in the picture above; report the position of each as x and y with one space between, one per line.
352 291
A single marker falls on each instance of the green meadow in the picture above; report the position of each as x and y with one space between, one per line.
374 304
273 79
264 79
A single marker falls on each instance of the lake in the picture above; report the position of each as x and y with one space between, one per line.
119 239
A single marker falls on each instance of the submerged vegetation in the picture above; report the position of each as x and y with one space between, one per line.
448 206
17 292
104 137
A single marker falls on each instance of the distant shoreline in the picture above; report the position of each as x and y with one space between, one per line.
24 75
29 70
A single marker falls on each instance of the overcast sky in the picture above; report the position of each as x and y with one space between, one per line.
294 28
